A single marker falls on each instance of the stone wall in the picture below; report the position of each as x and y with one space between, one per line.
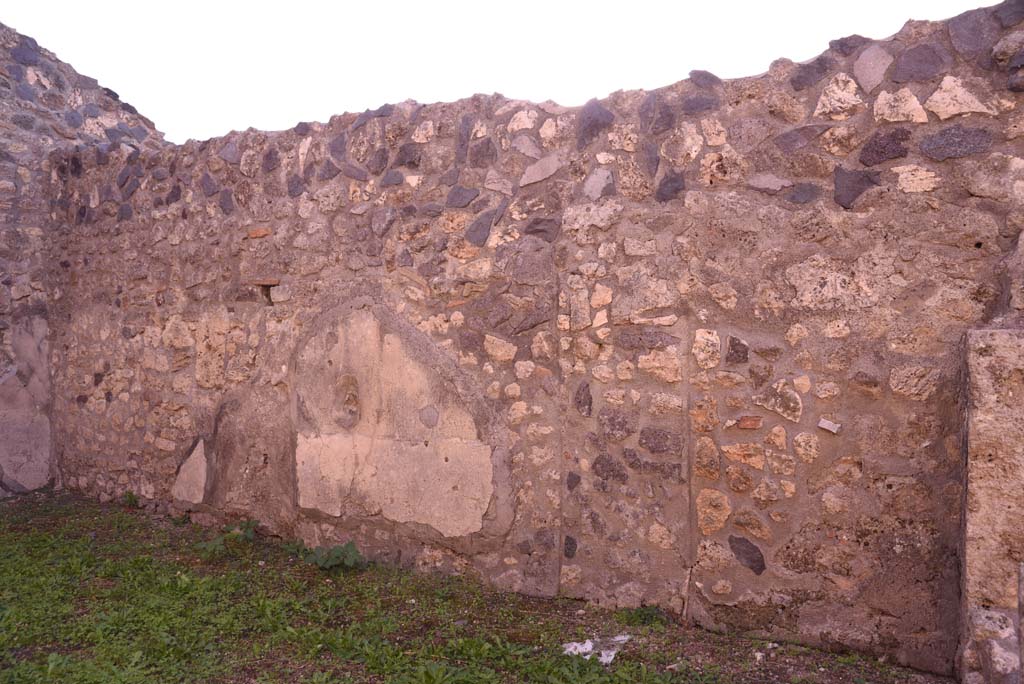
43 104
700 347
993 536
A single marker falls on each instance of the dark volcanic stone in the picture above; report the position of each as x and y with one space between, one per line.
377 161
26 52
661 442
736 351
616 425
848 45
695 104
804 193
129 189
338 147
462 139
102 156
849 185
450 177
569 547
432 209
174 195
380 112
328 171
808 74
459 197
483 154
639 337
271 160
296 185
206 182
973 34
392 178
954 142
408 155
480 229
546 229
1010 13
798 138
1016 62
592 119
124 212
73 119
90 110
704 79
227 201
921 63
572 481
382 221
608 468
230 153
354 172
25 92
747 553
671 184
885 145
650 157
583 400
24 121
17 72
656 116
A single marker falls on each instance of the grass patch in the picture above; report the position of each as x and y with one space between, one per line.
93 594
645 616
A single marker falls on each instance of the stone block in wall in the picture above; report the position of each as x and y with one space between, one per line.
993 537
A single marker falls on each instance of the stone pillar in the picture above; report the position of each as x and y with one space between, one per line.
993 540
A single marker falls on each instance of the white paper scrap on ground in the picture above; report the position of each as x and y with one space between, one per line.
605 648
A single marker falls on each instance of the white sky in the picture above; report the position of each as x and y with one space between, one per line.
201 69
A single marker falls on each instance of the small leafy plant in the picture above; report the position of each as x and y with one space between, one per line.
328 558
213 548
246 529
218 545
129 500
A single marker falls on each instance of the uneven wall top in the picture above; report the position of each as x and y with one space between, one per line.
698 347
